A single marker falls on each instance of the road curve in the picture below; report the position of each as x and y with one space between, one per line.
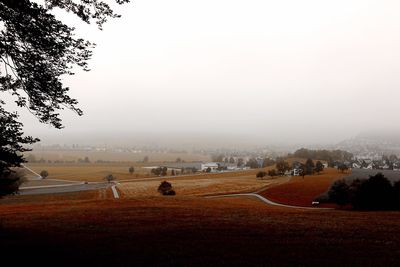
267 201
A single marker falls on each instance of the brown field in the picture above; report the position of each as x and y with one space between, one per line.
301 192
91 171
115 156
200 185
189 231
146 229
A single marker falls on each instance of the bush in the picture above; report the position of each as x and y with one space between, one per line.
165 188
44 174
109 178
272 173
10 181
261 174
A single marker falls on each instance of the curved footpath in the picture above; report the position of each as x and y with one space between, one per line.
267 201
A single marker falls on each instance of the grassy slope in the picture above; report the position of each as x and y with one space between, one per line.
91 229
301 192
187 231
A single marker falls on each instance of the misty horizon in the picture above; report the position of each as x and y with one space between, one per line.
309 73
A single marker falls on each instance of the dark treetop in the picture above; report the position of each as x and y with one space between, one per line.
36 50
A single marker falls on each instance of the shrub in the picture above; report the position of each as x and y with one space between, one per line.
272 173
44 174
261 174
109 178
131 170
165 188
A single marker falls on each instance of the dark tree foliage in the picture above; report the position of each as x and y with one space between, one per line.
396 189
36 50
319 167
261 174
343 167
375 193
339 192
282 166
44 174
109 178
309 167
12 142
10 182
272 173
252 163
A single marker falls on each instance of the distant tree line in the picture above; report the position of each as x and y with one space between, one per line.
327 155
375 193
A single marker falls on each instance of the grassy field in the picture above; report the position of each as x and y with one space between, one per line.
146 229
188 231
200 185
90 171
301 192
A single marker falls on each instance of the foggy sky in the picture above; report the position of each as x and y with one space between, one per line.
276 71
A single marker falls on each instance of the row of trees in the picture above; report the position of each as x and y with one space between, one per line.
327 155
375 193
282 166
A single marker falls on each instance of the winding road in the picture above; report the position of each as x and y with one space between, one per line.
267 201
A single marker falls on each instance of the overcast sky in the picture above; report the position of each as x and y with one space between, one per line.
287 71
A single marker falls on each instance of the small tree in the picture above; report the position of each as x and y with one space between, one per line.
272 173
261 174
282 166
240 162
164 171
252 163
165 188
44 174
208 169
343 167
173 172
109 178
131 170
319 167
309 167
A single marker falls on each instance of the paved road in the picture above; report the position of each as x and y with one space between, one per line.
62 188
267 201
